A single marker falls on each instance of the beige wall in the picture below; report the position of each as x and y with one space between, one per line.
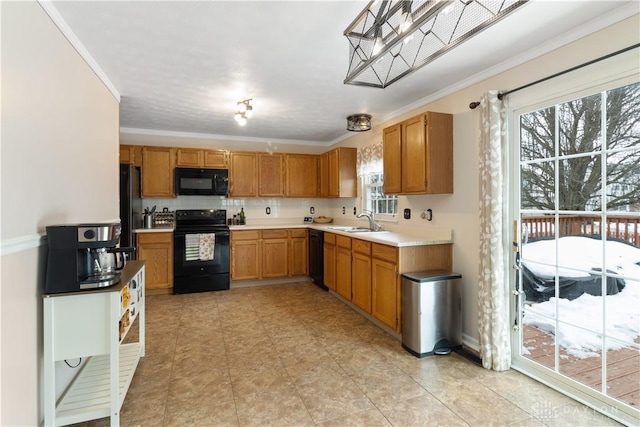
59 165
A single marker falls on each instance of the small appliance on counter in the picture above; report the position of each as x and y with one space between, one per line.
83 256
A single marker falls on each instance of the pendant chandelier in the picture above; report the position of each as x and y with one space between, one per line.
390 39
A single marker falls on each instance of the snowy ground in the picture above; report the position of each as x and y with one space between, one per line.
580 332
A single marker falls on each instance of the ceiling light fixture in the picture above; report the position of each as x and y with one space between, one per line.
359 122
390 38
245 111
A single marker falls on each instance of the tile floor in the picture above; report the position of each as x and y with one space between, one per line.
294 355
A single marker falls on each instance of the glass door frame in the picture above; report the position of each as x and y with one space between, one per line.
600 402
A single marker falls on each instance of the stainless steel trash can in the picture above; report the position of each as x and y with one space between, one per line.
431 312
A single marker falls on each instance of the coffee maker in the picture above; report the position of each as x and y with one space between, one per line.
83 256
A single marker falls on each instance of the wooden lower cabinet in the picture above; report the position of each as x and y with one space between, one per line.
245 253
385 290
268 254
157 250
329 255
298 252
343 271
275 260
369 274
361 274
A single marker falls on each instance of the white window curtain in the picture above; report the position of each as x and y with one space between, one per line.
369 159
493 292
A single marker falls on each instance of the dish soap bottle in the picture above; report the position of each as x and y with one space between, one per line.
242 217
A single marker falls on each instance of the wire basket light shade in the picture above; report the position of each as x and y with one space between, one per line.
359 122
391 38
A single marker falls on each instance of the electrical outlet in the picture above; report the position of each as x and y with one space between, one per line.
344 210
407 213
312 210
354 210
268 210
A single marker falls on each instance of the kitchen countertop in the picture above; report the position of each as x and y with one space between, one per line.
435 236
162 229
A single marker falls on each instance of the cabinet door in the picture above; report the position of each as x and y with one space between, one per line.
385 292
244 259
301 175
189 157
329 270
346 174
334 173
414 156
298 252
215 159
158 164
361 272
270 175
439 151
343 271
157 250
243 174
126 154
323 164
392 159
274 258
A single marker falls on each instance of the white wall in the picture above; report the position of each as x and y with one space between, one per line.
59 135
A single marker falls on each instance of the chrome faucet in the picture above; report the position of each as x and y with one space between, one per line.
373 225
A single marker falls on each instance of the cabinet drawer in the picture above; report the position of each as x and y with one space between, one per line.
330 238
154 238
385 252
274 234
361 246
343 242
245 235
298 232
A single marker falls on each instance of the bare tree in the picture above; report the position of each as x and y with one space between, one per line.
577 130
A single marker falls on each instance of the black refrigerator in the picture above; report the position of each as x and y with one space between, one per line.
130 204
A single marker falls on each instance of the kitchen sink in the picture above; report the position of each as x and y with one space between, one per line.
356 230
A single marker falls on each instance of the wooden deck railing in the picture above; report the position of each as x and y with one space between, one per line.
619 226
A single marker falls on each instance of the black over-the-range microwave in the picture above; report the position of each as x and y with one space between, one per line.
202 182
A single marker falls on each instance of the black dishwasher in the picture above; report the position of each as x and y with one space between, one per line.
316 257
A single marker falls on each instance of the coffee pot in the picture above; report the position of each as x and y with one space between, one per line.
83 256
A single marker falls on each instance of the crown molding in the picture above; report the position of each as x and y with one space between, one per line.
571 36
193 135
66 31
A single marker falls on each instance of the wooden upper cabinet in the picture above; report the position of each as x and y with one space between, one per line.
158 164
195 158
338 173
243 174
215 159
189 157
301 175
392 159
271 175
131 154
425 162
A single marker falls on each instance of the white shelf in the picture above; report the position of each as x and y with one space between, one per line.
89 397
87 324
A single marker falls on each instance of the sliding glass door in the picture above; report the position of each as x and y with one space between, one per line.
577 276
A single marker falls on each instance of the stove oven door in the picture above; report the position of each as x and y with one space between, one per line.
193 271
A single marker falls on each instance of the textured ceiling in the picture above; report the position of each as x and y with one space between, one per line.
182 66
